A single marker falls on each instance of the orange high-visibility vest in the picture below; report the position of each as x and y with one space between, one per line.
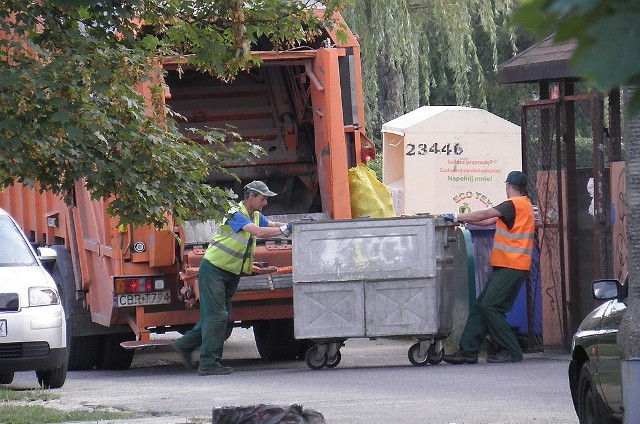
512 247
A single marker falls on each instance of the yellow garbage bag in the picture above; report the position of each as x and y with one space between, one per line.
369 197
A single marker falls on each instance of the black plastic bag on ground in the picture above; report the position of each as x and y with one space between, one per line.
266 414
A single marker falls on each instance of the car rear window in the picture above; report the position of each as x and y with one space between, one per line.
14 250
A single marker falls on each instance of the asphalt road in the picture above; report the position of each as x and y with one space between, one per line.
374 383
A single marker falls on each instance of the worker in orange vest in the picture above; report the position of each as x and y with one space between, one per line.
511 262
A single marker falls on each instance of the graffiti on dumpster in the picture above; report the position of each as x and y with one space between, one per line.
351 254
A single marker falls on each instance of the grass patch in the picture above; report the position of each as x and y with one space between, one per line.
198 420
18 414
13 410
26 395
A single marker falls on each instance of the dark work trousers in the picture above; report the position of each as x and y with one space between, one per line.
487 315
217 287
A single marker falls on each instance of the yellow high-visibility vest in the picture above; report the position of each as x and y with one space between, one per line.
230 250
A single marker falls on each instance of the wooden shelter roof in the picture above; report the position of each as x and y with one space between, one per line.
545 60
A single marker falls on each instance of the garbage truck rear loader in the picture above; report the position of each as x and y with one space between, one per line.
122 285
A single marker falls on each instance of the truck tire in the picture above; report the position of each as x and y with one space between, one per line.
274 339
62 273
83 353
6 377
227 334
112 356
52 379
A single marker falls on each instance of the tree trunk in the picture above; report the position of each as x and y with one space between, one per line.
629 335
391 87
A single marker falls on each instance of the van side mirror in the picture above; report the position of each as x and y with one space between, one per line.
46 254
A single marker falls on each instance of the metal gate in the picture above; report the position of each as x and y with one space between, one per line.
567 235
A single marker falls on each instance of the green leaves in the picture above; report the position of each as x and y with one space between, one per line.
565 7
594 57
607 32
71 108
533 15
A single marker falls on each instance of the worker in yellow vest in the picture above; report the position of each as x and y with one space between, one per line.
229 255
511 261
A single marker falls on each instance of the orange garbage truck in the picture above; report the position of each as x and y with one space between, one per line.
122 286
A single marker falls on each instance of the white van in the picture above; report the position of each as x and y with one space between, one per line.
32 320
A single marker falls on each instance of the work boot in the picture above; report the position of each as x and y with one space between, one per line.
502 357
215 370
461 357
185 355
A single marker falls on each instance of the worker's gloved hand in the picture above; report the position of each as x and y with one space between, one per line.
286 229
451 217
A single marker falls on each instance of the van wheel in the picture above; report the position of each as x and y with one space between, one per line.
112 356
6 377
52 379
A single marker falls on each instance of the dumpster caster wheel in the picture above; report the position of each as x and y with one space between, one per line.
315 360
434 357
335 360
414 355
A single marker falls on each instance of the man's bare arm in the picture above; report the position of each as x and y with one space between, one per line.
262 232
487 216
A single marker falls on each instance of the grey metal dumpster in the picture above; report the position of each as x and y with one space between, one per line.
372 278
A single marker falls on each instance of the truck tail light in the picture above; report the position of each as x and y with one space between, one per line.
133 286
368 150
368 155
137 285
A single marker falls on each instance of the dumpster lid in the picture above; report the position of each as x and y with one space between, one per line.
402 123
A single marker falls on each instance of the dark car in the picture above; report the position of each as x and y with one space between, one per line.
594 371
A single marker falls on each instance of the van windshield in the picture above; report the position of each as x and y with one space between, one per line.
14 250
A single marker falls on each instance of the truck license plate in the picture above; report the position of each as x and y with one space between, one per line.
142 299
3 328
